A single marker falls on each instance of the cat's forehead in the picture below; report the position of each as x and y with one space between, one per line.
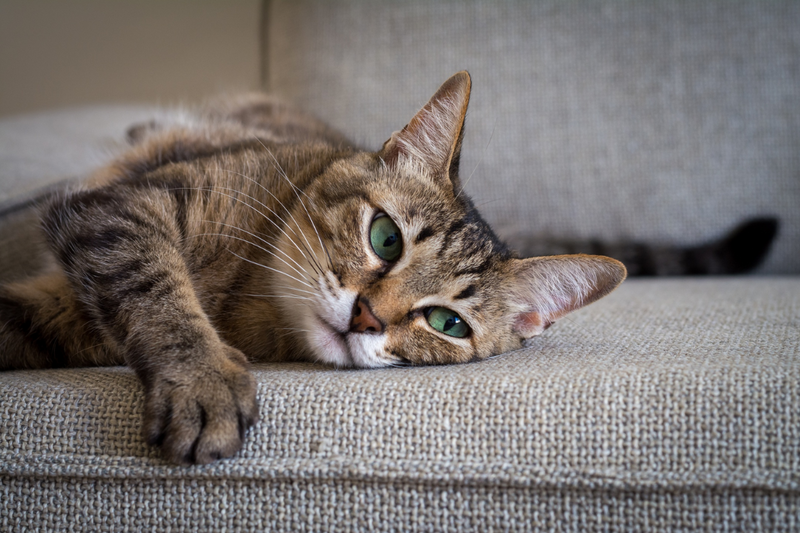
435 217
441 215
407 194
450 213
414 194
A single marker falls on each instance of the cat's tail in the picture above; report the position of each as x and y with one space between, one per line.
739 251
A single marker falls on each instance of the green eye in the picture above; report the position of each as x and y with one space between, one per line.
384 235
446 321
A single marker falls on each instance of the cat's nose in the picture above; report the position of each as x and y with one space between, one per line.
363 320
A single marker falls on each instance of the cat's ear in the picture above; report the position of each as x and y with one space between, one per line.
433 137
546 288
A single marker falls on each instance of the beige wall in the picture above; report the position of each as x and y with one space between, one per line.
73 52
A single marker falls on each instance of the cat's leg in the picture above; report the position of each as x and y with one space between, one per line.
122 251
42 326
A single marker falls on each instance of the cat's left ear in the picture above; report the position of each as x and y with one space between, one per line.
544 289
433 137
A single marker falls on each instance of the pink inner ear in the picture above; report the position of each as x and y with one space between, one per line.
530 324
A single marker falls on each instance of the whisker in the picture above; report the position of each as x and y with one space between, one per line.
296 189
289 287
209 189
277 248
260 248
92 347
270 268
276 296
84 350
487 202
289 333
312 259
479 160
288 212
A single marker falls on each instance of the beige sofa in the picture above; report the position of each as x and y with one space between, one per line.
672 404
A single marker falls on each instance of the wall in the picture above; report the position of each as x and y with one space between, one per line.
56 54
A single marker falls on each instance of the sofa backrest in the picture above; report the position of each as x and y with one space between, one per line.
665 121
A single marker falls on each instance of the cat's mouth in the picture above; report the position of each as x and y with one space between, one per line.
345 349
329 344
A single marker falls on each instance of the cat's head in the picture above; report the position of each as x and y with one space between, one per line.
406 271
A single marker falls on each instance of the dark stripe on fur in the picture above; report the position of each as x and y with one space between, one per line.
122 274
90 199
425 233
479 269
104 240
695 261
456 226
180 192
180 153
109 306
154 227
466 293
182 197
15 318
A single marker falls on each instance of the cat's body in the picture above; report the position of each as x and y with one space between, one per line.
252 232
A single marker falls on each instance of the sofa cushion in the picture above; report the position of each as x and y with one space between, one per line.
41 149
670 404
666 121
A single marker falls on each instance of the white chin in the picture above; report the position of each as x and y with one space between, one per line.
365 350
329 346
338 349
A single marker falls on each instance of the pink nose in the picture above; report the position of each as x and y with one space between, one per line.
363 319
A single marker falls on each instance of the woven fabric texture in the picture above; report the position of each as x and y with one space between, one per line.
671 403
665 121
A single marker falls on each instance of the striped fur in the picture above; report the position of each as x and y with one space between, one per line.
241 233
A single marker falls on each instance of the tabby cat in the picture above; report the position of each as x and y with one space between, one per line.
250 232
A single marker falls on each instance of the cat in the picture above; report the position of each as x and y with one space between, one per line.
250 232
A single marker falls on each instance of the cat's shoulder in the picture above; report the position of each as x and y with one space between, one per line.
222 125
236 117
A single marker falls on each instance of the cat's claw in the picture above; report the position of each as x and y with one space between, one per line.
200 413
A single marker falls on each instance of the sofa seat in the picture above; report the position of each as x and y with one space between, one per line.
672 404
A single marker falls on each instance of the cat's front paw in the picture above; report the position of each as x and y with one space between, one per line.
198 411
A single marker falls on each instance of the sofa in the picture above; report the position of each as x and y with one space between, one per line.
672 404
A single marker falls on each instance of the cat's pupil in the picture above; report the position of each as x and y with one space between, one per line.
384 236
446 321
